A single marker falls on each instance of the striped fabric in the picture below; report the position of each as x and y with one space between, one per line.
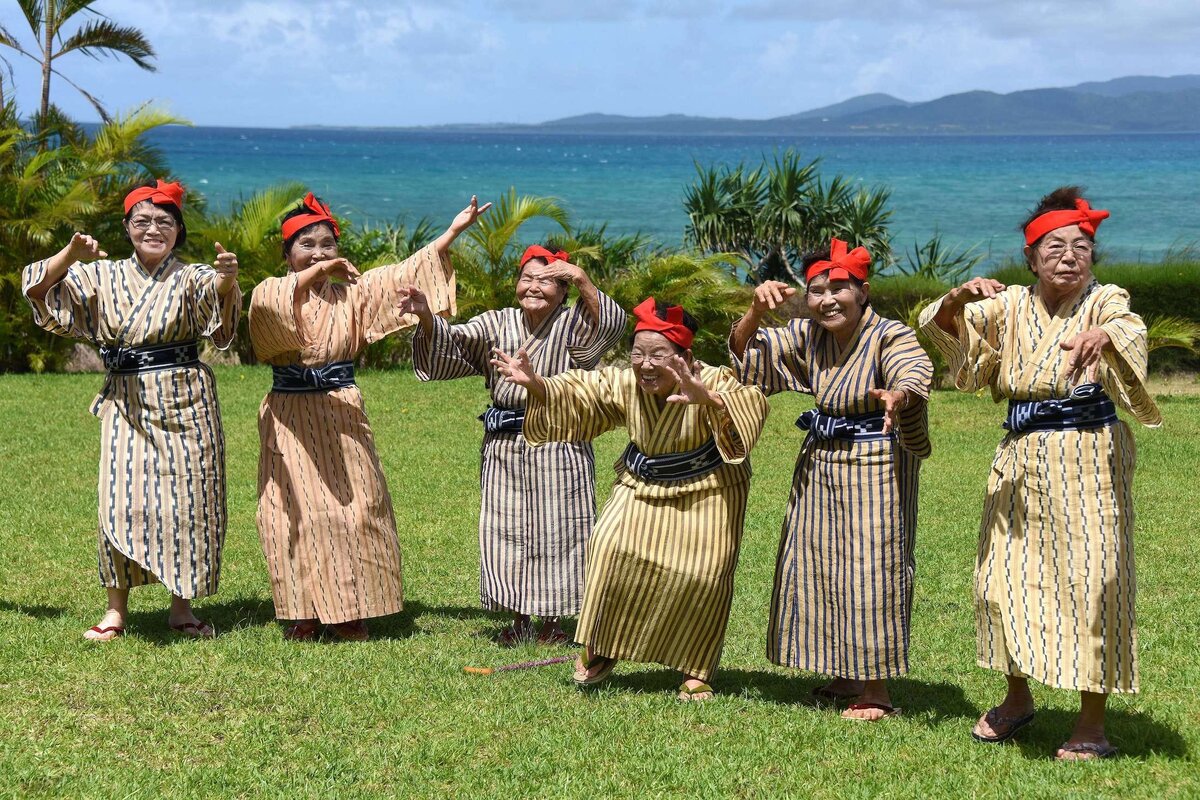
162 462
537 504
325 516
660 564
1054 577
842 599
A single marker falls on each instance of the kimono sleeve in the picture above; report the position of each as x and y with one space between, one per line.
1127 361
376 292
274 328
216 316
588 341
454 351
905 366
579 406
736 427
70 307
973 356
774 359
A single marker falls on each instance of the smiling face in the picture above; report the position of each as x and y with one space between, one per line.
837 306
312 245
537 293
1062 260
153 232
648 356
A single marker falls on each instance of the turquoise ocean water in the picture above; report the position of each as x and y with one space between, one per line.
973 189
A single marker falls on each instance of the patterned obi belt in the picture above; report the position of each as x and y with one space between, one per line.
296 378
673 466
825 427
1087 406
502 420
132 360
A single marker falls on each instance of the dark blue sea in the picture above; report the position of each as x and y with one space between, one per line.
974 190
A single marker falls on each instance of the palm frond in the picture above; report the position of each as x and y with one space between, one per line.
102 37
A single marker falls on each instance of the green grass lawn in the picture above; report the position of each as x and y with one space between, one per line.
249 714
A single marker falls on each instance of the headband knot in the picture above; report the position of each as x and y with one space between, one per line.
1087 218
316 212
672 327
537 251
841 264
170 194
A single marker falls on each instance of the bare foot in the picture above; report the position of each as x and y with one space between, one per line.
873 704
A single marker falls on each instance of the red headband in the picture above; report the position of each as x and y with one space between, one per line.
672 327
162 194
537 251
318 212
841 264
1083 215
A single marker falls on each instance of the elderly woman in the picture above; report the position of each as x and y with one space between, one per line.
537 505
325 516
162 462
660 564
844 577
1054 579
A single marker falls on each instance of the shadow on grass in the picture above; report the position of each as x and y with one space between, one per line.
34 611
1135 735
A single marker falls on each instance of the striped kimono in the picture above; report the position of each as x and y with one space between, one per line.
842 600
1054 577
325 516
537 504
162 451
661 561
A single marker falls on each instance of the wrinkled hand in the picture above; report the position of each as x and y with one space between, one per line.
1086 351
84 248
467 217
690 390
340 269
226 263
893 403
516 369
413 301
769 295
564 271
974 290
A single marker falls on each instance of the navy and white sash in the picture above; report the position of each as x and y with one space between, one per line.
673 466
506 420
123 360
295 378
1087 406
825 427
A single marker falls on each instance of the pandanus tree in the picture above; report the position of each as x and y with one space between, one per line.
96 37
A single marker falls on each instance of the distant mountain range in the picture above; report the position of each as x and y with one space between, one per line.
1136 104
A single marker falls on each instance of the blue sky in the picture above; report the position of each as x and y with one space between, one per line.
277 63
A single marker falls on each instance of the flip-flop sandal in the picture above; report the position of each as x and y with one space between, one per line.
558 637
512 636
1090 750
888 711
355 631
687 694
581 676
304 631
195 630
995 719
115 630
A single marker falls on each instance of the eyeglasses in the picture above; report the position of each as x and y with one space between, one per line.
1057 250
653 359
308 245
162 223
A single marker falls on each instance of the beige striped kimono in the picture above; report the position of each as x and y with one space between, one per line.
537 505
325 516
842 600
1054 579
162 451
661 560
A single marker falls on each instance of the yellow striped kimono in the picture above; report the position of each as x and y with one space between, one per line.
842 600
325 515
1054 578
660 563
537 504
162 450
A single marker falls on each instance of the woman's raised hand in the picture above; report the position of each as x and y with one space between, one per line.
340 269
691 391
413 301
769 295
974 290
564 271
226 266
894 401
83 247
467 217
517 369
1086 351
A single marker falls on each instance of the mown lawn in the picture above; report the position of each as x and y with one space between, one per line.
250 715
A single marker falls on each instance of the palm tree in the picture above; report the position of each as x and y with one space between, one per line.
94 38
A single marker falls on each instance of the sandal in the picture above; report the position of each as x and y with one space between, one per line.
581 676
101 633
1090 751
996 720
306 630
194 630
515 635
888 711
553 638
353 631
687 694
